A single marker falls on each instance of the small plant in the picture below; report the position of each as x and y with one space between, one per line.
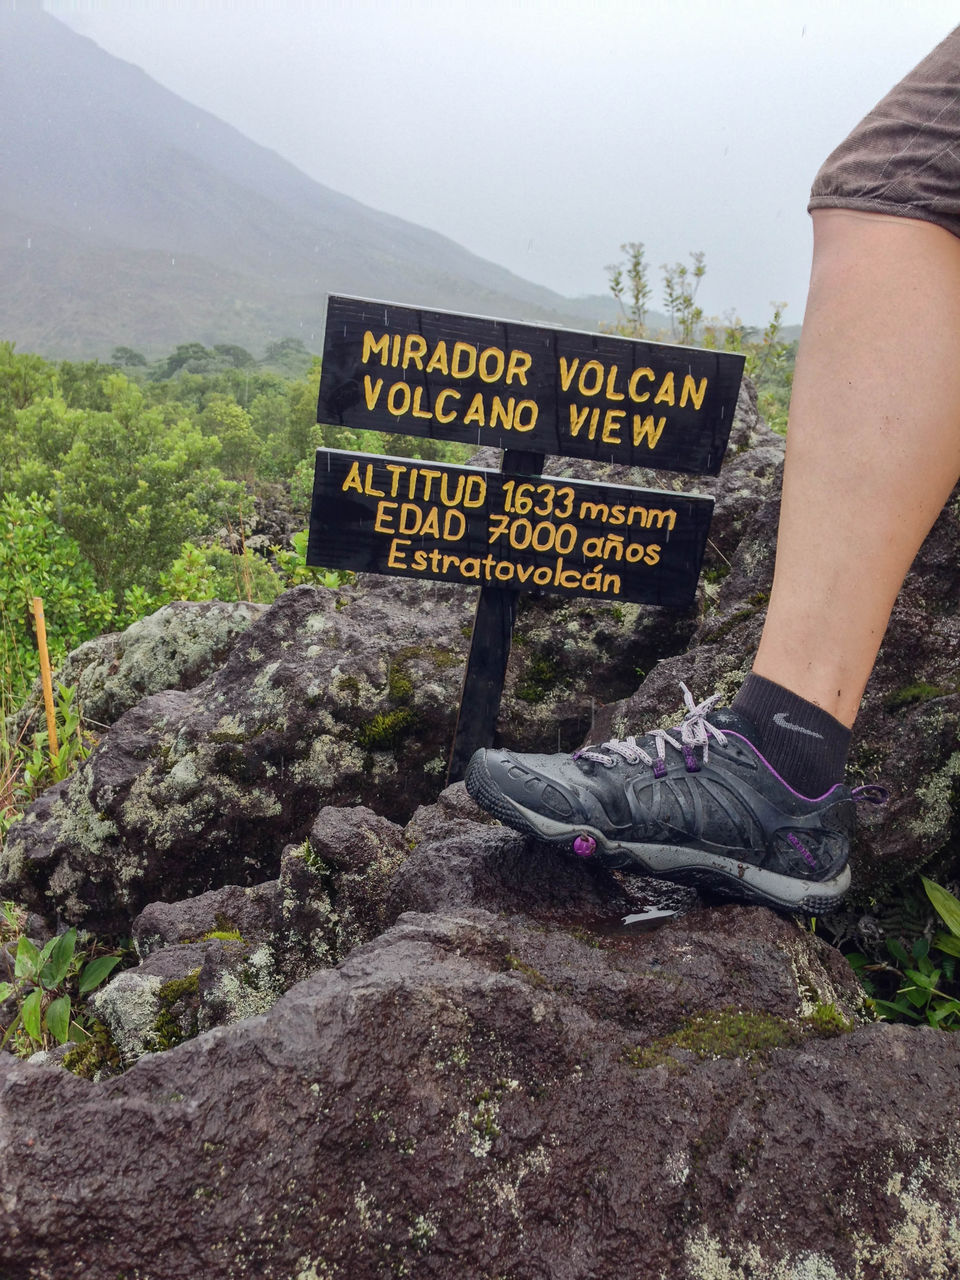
295 571
44 983
680 286
927 985
27 768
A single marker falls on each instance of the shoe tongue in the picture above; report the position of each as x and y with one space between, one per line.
727 718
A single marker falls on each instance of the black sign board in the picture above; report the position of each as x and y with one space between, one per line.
483 528
524 387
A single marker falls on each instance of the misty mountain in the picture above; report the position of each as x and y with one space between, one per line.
129 216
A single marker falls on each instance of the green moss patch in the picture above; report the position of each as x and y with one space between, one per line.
386 729
729 1033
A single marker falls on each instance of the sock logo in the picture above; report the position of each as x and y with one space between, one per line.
781 720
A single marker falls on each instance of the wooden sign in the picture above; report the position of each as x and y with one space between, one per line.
483 528
524 387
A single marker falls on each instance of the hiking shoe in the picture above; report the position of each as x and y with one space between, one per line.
697 804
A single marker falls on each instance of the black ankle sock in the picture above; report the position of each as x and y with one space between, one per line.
806 745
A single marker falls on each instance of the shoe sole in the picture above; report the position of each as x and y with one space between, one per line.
698 868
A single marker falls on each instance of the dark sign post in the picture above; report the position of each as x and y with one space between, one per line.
529 391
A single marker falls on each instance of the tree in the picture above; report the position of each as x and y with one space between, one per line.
130 485
632 273
127 358
239 444
680 285
38 559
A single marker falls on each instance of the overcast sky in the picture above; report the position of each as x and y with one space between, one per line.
543 133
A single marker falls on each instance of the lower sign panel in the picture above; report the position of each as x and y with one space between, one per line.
376 514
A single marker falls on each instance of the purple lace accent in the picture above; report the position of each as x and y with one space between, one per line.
659 768
810 799
690 760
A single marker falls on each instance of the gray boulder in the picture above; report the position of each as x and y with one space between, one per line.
477 1096
175 648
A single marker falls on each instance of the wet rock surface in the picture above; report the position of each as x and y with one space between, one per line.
476 1096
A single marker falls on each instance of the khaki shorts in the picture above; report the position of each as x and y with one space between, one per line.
904 157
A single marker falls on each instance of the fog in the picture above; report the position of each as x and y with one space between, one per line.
543 134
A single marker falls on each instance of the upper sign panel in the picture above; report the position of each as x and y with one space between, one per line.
521 386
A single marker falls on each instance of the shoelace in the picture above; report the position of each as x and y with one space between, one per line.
695 731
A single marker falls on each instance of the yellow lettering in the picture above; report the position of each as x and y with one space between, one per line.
420 560
666 393
611 584
475 413
444 493
438 361
657 517
592 547
419 412
431 525
567 371
518 367
395 557
411 518
441 400
401 406
692 392
593 510
531 409
617 515
353 479
652 556
483 366
454 525
384 517
502 415
594 421
612 421
577 419
565 577
611 379
428 479
590 386
645 428
368 488
469 354
371 393
396 471
632 391
414 349
380 347
395 352
474 491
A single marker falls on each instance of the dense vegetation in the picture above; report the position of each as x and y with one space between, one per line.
125 485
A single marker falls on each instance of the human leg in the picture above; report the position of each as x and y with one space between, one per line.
873 447
750 799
